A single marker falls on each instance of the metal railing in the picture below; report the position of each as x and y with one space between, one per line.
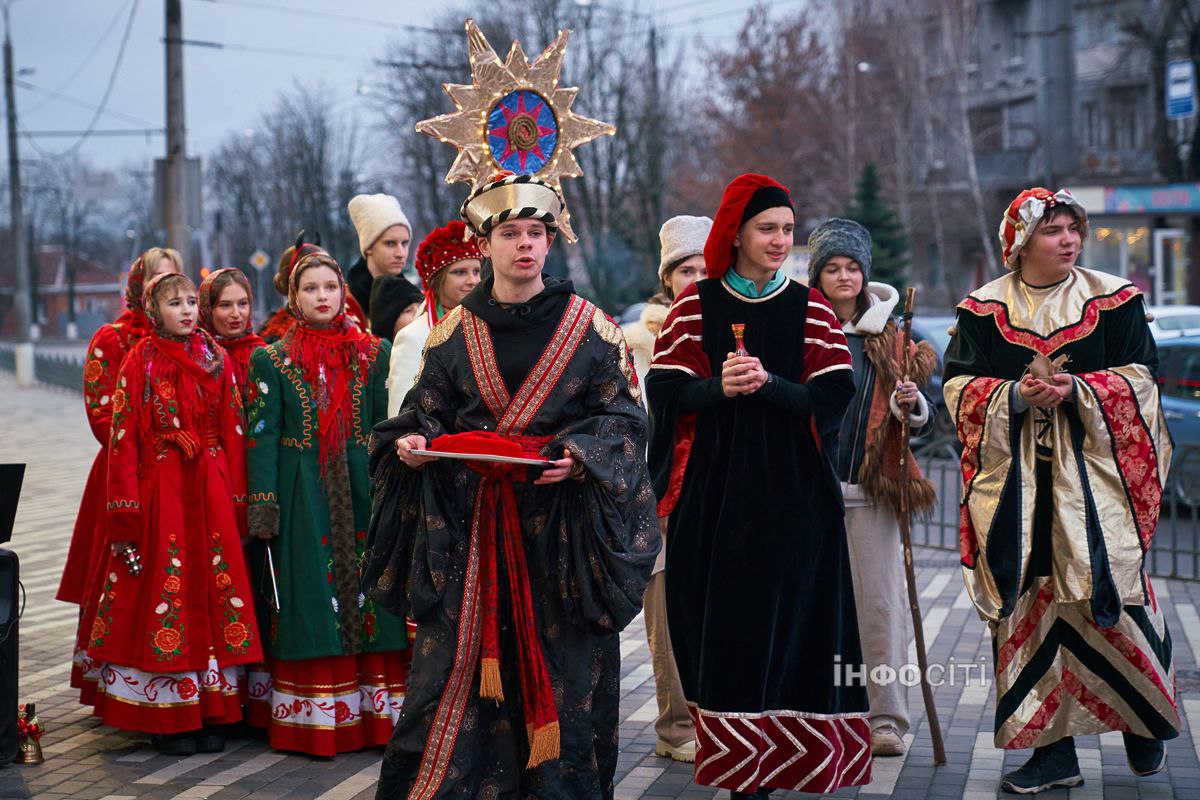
53 370
1174 552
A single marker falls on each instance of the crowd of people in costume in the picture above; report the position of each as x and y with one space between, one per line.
420 517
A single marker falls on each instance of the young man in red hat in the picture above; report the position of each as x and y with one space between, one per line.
750 379
519 579
1051 376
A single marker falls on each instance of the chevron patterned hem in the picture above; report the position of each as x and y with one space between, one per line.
1060 674
790 750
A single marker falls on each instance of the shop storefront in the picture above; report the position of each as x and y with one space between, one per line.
1142 233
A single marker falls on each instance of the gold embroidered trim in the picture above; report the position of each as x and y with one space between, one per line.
611 333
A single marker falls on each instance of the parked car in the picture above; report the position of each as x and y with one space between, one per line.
936 331
1179 383
1171 322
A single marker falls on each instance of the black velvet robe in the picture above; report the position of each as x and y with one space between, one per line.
589 545
759 597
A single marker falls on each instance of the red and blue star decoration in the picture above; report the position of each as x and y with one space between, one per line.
522 132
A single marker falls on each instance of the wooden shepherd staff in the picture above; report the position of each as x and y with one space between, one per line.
935 729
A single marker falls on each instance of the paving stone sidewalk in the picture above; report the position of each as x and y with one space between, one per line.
86 761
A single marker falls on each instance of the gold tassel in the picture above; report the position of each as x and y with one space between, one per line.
489 680
543 744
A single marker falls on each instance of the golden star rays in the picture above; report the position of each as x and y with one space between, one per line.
524 140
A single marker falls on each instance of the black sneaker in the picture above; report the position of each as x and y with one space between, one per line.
1051 767
175 744
1146 756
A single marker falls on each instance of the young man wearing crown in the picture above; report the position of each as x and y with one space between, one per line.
1051 380
519 578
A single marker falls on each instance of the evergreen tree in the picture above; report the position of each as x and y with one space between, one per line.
889 248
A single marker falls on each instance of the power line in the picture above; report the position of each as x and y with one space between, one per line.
82 103
687 4
95 132
300 12
280 51
112 81
86 59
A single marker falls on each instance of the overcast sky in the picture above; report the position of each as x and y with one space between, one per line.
71 47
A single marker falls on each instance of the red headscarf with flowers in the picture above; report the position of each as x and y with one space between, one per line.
331 357
209 295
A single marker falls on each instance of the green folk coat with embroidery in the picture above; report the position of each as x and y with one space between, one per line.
287 490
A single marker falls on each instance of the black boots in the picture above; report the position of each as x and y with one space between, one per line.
175 744
1050 767
1146 756
209 739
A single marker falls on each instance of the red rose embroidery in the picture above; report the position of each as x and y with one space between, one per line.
92 371
223 580
98 629
341 712
166 391
171 584
167 639
236 634
369 624
118 401
186 689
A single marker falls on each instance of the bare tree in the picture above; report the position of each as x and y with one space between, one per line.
617 60
298 168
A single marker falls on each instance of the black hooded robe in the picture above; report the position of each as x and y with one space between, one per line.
590 543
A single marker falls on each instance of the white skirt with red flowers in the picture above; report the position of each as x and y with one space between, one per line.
168 702
326 706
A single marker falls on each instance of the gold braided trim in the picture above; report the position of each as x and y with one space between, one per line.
275 353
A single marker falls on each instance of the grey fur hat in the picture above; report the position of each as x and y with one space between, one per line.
839 237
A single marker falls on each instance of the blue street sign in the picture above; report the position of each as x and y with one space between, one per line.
1181 89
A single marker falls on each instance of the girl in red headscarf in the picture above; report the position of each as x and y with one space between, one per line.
338 664
449 268
225 300
105 352
283 320
173 619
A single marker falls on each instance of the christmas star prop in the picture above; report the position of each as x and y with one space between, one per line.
514 116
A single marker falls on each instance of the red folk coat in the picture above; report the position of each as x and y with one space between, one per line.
104 355
177 490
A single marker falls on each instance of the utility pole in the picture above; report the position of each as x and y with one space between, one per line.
21 305
174 189
655 170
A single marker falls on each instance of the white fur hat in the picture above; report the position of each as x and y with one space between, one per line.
372 214
682 237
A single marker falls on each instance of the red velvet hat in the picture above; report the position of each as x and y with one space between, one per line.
719 252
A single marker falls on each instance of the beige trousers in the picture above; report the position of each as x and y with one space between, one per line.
674 723
877 571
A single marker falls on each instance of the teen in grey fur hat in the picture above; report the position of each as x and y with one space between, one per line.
840 237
